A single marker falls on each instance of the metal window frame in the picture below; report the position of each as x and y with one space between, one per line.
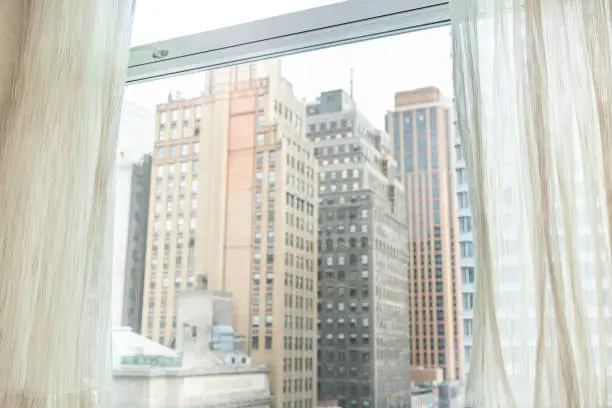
340 23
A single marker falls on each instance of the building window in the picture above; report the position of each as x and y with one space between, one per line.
463 199
467 275
260 121
465 224
468 301
467 250
255 342
461 176
268 342
259 139
467 327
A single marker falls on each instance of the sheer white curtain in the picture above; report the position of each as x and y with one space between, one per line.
534 100
61 83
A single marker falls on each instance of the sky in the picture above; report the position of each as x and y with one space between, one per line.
380 67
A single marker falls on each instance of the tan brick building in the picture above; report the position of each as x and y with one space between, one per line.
241 210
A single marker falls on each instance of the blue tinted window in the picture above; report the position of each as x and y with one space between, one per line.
408 138
433 119
409 164
422 143
434 160
421 121
396 124
423 161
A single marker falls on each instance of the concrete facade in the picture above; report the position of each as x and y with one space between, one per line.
226 386
243 215
363 257
424 140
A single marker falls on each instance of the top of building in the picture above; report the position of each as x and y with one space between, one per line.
420 96
331 102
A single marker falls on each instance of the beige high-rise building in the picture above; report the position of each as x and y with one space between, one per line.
242 210
423 138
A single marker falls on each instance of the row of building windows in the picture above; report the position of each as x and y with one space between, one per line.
185 116
170 205
341 275
337 149
174 151
180 223
181 190
343 187
341 259
345 160
333 175
353 307
171 168
166 284
299 302
298 322
297 364
351 292
300 282
340 339
298 404
341 323
162 322
179 243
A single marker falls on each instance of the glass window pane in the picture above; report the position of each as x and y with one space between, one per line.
157 20
242 165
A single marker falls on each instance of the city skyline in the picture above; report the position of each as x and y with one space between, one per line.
372 73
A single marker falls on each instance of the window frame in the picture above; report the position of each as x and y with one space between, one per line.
316 28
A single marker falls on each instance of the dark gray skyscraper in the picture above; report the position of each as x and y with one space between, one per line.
363 332
136 244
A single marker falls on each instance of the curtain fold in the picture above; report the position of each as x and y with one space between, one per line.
61 85
534 102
